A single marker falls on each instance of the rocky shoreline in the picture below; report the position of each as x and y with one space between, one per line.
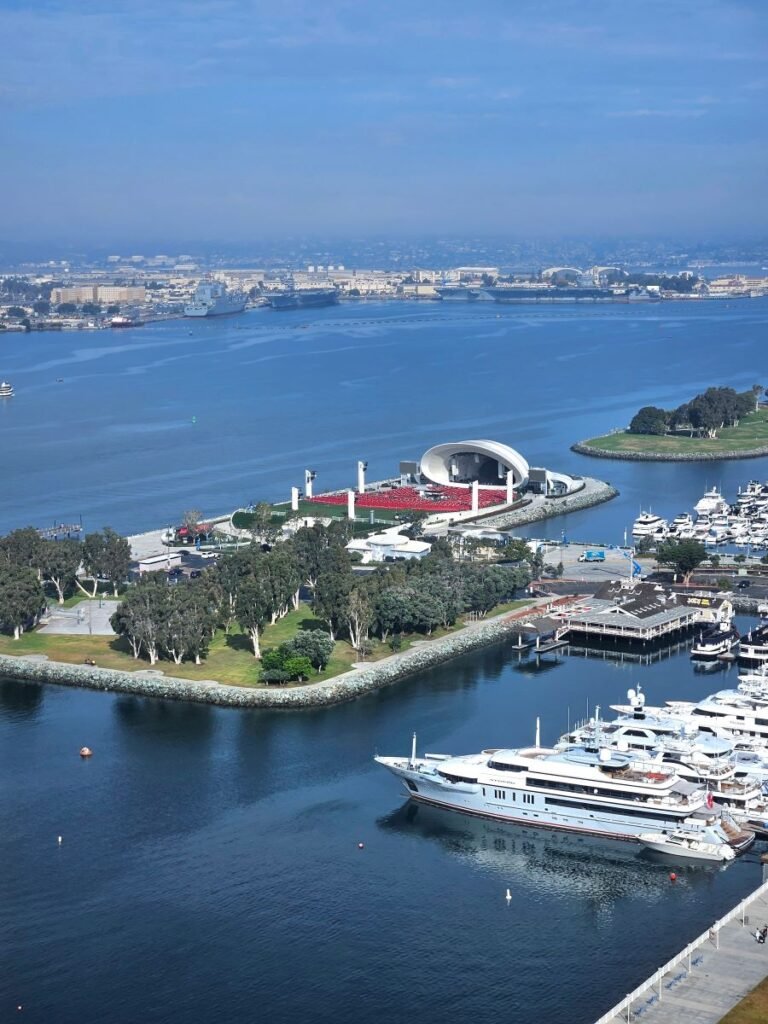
582 448
355 683
594 492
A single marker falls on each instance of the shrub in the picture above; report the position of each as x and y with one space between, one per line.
274 675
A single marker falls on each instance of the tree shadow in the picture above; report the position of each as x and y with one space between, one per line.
313 624
238 642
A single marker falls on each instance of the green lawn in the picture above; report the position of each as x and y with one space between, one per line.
751 433
753 1009
230 658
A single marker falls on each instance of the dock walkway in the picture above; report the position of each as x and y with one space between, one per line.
709 977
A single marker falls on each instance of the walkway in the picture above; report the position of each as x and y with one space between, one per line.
723 969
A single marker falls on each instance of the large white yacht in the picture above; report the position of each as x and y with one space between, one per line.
753 650
712 503
735 784
648 525
600 792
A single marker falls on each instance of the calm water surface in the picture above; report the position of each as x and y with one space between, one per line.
146 423
209 868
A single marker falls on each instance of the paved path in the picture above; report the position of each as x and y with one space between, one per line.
88 618
721 978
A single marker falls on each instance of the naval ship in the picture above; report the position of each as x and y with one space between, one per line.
304 298
211 298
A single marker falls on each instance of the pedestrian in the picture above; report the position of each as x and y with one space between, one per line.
757 934
763 934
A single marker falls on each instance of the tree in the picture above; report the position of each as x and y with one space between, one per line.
313 644
191 518
41 307
106 556
333 587
649 420
359 616
298 667
188 624
91 309
23 547
16 311
59 562
684 556
21 598
261 524
253 607
140 616
66 308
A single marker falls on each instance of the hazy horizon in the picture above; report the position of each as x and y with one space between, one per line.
130 123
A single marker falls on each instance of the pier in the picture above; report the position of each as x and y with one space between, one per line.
707 978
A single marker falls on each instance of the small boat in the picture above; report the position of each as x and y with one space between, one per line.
715 642
6 389
685 844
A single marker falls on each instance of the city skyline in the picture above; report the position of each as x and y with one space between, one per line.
234 121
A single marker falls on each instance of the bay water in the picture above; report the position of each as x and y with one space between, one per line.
210 865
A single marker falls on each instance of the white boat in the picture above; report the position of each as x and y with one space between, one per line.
603 793
712 501
753 649
716 641
6 389
647 524
688 845
211 298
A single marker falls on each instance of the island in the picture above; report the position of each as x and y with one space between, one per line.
719 423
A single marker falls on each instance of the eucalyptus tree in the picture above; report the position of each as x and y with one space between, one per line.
21 598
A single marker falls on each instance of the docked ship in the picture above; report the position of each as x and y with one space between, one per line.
720 639
647 525
600 792
124 321
754 647
460 293
212 298
6 389
548 293
304 298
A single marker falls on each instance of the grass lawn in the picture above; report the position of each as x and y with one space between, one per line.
752 432
753 1009
230 657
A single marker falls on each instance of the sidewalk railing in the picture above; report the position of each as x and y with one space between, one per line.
624 1011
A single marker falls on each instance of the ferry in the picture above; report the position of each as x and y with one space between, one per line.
6 389
603 793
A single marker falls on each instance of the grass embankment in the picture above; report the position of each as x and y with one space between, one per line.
230 657
382 517
753 1009
751 434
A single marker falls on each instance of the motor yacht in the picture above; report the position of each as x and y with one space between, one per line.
753 648
6 389
601 792
688 845
647 524
712 502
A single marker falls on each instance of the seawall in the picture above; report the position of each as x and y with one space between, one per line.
355 683
600 453
595 492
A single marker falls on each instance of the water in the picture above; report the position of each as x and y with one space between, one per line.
149 422
210 870
209 867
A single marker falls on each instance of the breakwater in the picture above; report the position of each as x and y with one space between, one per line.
582 448
355 683
594 492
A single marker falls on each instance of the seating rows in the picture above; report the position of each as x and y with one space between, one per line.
435 499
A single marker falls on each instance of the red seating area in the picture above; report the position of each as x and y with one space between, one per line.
436 499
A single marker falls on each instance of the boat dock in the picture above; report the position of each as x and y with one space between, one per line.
707 978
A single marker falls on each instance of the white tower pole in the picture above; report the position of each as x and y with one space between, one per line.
475 496
350 504
538 733
510 488
294 499
361 468
308 478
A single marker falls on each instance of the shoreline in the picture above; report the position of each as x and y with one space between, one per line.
363 678
582 448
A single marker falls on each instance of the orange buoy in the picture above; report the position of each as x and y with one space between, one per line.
86 752
673 877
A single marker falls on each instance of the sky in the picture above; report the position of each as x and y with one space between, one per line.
232 120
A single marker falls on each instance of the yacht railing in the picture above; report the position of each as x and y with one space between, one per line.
655 984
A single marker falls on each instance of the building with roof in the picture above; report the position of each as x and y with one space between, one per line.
389 545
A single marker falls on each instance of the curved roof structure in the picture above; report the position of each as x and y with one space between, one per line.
462 462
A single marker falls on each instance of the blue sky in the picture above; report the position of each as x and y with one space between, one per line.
125 120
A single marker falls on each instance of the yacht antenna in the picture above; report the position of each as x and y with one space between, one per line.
413 751
538 733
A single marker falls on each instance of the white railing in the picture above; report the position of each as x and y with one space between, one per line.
623 1010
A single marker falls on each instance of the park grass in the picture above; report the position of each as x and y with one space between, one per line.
753 1008
751 434
230 656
